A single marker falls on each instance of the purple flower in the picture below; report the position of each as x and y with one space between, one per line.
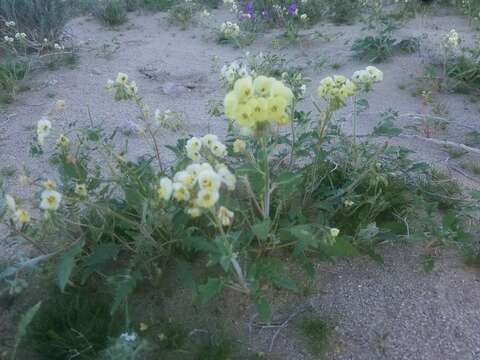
293 8
250 10
264 13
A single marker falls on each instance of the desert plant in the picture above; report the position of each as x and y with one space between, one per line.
183 13
111 12
39 19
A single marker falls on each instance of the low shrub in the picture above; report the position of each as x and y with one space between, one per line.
237 209
39 19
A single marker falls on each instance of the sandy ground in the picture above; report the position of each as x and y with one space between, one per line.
392 312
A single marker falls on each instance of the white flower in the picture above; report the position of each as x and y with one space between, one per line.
11 204
10 23
334 232
304 17
452 39
8 39
165 189
209 139
375 74
207 199
209 180
186 178
180 192
227 177
218 149
21 217
193 147
50 200
194 212
122 78
129 337
225 216
43 129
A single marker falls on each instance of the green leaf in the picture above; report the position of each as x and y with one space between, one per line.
66 265
341 247
207 291
185 274
263 308
24 323
262 229
386 128
124 285
428 263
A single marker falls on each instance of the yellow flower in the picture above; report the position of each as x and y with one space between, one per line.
230 104
122 78
239 146
50 200
283 119
207 199
165 189
280 90
81 189
225 216
243 89
244 116
276 107
21 217
263 85
259 109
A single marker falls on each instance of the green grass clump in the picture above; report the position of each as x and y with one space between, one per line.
317 333
77 324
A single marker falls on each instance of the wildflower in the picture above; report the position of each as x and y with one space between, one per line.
304 17
11 204
20 36
263 85
348 203
207 199
229 29
194 212
43 129
193 147
180 192
143 327
58 47
129 337
165 189
218 149
49 185
225 216
243 89
185 178
209 139
21 217
209 180
375 74
452 40
227 177
334 232
205 13
81 190
50 200
63 141
239 146
23 180
8 39
10 23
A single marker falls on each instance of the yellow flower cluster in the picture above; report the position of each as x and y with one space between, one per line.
257 101
338 87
